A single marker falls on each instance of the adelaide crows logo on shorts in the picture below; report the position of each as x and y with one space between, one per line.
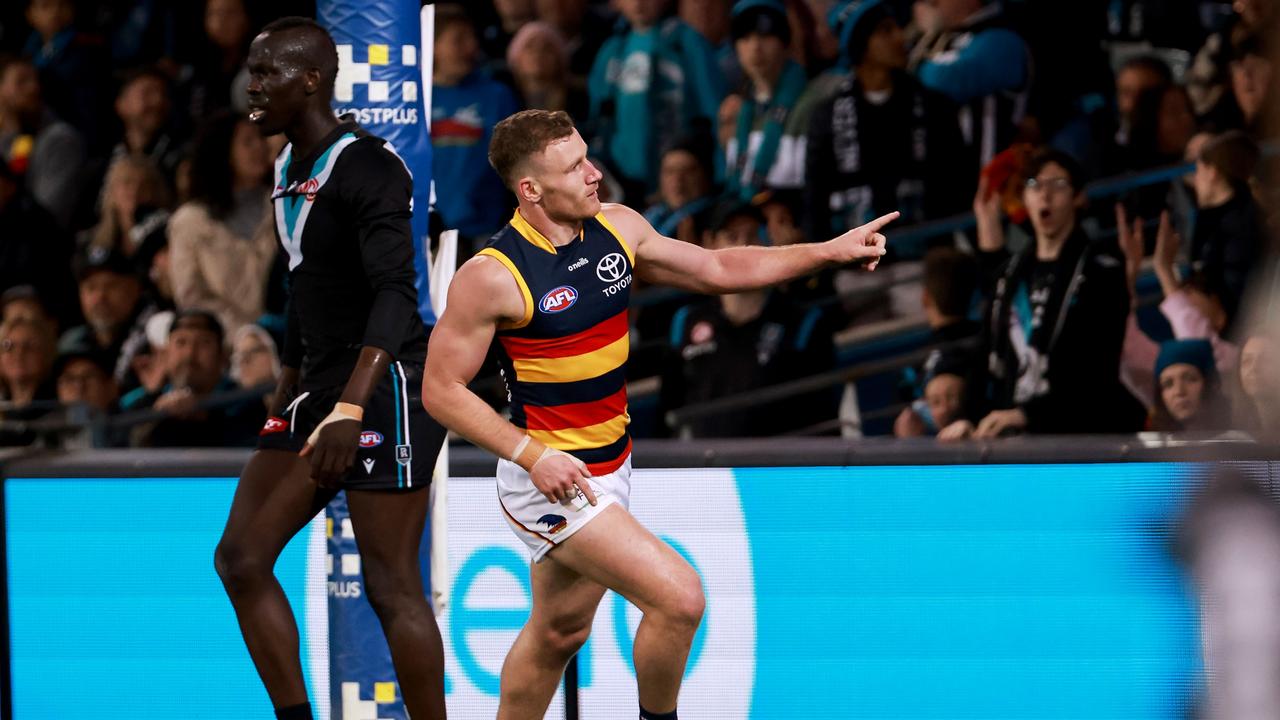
554 523
558 299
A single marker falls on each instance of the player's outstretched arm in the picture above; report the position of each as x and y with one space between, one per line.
665 261
482 295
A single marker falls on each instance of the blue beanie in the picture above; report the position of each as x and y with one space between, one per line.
853 22
764 17
1198 353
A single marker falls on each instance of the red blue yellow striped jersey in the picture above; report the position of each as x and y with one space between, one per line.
564 360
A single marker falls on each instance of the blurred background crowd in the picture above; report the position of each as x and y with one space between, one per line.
1088 192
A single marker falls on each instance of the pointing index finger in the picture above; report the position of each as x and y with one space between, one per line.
875 225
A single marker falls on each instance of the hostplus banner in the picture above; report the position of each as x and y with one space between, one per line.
382 55
384 60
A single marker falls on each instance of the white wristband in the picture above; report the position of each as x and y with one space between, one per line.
520 446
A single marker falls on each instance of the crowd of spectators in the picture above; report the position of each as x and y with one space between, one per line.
140 272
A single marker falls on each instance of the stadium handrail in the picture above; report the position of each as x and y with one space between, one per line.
78 417
746 401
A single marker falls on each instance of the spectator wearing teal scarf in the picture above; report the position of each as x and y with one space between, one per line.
649 84
767 150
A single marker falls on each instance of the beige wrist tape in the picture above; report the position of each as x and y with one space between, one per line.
527 453
341 411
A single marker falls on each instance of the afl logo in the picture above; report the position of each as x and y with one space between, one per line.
558 299
611 267
370 438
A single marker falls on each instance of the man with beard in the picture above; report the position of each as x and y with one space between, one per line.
115 312
348 390
195 368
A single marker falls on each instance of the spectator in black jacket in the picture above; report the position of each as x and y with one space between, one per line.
883 142
737 343
1057 314
1228 236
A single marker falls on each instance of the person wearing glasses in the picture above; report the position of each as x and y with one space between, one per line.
1056 318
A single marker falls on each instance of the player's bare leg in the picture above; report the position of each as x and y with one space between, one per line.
617 552
388 527
275 498
564 605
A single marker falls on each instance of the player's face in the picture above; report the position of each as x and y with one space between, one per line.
278 83
568 180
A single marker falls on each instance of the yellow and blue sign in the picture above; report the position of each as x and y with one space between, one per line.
381 83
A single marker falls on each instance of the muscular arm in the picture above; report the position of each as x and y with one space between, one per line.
482 295
665 261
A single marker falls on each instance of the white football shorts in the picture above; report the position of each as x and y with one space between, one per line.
541 524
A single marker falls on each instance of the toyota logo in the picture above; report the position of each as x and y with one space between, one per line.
611 267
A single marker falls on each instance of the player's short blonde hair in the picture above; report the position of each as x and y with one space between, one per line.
523 134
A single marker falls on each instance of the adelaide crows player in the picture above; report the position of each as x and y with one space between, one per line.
553 287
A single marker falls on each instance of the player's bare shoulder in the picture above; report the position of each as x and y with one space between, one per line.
630 224
620 215
488 289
